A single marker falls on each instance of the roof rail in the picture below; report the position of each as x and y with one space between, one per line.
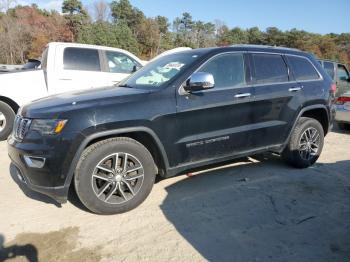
266 46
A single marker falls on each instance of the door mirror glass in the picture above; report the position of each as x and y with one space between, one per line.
135 68
200 81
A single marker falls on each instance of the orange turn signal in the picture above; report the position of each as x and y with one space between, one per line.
60 125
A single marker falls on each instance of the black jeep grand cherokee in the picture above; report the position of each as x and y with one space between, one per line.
181 112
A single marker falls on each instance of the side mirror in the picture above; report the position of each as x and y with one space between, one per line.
135 68
199 81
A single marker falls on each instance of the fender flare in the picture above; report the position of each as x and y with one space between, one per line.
301 112
114 132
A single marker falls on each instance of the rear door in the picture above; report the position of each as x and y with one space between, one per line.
217 122
277 96
78 68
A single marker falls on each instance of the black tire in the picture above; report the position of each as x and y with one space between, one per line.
6 124
86 187
343 126
296 150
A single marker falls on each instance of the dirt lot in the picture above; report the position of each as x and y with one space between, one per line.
257 209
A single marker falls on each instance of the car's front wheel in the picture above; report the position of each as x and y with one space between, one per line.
114 175
305 144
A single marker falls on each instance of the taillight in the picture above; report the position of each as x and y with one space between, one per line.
333 88
342 100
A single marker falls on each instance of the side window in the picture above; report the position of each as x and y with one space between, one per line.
270 68
227 69
81 59
342 73
120 63
329 68
302 68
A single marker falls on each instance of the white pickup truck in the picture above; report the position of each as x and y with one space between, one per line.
64 67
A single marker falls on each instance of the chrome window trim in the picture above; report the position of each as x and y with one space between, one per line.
182 92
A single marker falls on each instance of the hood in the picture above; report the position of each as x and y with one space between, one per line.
80 100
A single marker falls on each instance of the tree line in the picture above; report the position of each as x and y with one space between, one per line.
25 30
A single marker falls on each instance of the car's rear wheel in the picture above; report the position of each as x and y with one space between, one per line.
305 144
114 175
7 117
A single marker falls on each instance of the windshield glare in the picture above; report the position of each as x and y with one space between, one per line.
160 71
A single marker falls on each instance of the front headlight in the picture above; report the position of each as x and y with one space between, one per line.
48 126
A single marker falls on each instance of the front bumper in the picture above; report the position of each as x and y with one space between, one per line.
52 179
60 194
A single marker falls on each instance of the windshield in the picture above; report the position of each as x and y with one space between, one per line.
161 71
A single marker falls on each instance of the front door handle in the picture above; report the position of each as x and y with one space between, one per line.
242 95
294 89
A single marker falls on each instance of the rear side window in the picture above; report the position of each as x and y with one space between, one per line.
81 59
329 68
302 68
227 70
270 68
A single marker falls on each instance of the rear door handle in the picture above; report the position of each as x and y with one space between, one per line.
294 89
65 79
242 95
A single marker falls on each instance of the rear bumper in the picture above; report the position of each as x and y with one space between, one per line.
342 114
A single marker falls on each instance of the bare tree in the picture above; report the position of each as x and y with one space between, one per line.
6 4
101 10
15 39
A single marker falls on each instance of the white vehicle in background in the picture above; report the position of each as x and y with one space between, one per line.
171 51
64 67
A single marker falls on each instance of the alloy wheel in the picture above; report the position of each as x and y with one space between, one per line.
117 178
309 143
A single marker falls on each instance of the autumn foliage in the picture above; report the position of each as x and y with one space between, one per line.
26 30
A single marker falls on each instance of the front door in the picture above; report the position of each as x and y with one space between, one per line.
118 66
217 122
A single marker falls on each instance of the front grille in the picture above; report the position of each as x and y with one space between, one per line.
21 127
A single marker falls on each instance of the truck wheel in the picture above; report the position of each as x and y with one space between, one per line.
306 143
114 175
7 117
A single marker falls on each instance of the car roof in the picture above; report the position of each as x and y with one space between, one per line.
251 48
332 61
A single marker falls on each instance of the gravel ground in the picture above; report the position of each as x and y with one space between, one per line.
256 209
